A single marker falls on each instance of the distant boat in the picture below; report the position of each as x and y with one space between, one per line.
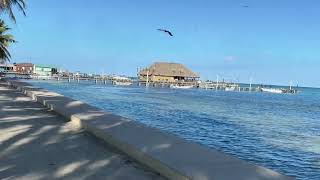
176 86
232 88
120 78
207 85
121 83
273 90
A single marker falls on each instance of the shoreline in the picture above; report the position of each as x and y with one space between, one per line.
166 154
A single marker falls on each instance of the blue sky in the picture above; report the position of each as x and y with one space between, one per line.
271 41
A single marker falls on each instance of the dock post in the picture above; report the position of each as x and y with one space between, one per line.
147 83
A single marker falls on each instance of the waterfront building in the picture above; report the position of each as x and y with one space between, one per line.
24 68
164 72
7 68
44 70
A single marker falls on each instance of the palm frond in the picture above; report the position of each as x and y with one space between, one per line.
5 41
7 6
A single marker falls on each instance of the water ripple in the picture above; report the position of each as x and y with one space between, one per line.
281 132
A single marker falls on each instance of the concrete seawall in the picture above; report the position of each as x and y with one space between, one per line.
166 154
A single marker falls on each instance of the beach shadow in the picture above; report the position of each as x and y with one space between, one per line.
36 143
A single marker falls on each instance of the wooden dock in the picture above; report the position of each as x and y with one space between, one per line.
208 85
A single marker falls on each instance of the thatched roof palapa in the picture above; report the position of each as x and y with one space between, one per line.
168 69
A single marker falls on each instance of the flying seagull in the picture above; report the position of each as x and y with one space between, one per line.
166 31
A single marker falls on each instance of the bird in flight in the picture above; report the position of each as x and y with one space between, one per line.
166 31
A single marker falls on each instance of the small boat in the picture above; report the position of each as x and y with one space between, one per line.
121 83
176 86
232 88
272 90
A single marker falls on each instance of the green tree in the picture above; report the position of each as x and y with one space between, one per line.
6 6
5 41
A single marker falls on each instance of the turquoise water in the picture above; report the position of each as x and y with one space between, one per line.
278 131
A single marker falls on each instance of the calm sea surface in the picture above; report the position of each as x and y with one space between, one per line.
278 131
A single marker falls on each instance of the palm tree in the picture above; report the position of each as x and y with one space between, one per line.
5 41
7 5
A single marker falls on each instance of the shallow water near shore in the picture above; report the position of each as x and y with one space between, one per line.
277 131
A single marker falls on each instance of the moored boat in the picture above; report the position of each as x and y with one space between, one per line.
273 90
176 86
121 83
231 88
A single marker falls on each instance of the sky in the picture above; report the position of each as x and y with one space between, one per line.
270 41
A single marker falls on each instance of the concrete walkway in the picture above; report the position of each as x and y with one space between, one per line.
38 144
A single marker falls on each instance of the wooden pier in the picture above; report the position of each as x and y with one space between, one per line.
208 85
166 84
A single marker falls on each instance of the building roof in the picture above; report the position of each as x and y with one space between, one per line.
168 69
6 65
44 66
24 64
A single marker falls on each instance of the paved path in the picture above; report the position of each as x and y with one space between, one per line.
38 144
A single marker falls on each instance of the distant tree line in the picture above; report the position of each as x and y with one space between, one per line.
6 39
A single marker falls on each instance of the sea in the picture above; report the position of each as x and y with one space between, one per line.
277 131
